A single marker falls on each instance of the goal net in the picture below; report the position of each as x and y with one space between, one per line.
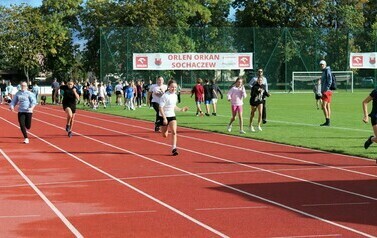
304 81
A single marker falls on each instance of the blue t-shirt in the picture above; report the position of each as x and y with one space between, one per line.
25 99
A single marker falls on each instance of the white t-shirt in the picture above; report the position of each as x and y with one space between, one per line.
157 92
168 101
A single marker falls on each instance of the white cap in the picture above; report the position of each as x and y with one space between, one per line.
322 62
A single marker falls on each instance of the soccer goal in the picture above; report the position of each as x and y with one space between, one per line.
303 81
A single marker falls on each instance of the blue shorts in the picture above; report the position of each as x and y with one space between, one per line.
207 101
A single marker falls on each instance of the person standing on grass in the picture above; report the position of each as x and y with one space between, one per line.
326 80
69 104
26 102
208 95
373 116
167 119
217 91
257 95
252 82
317 93
198 91
236 95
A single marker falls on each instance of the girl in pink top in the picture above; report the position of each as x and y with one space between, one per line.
236 95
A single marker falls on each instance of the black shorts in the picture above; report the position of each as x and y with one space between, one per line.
373 119
118 93
160 120
317 97
70 105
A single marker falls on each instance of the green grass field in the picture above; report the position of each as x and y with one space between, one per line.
292 119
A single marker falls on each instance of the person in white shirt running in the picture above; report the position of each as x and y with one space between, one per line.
157 90
167 119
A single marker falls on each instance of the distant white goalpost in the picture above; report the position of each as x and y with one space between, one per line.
303 80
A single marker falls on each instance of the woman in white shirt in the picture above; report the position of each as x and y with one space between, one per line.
167 119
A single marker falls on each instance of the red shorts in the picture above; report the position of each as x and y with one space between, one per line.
326 96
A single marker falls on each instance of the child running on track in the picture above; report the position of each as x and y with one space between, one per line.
69 104
167 108
373 117
27 102
236 95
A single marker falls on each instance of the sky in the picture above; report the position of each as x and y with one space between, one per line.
33 3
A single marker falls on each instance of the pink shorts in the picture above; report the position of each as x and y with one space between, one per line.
236 109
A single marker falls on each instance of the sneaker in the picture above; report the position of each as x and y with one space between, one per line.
174 152
156 129
242 132
264 121
69 134
67 128
368 142
207 114
26 141
252 129
214 114
259 128
325 124
229 128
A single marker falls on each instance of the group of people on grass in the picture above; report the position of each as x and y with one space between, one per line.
164 101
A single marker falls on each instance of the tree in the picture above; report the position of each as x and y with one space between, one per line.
23 38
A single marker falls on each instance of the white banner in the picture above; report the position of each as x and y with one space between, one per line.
192 61
363 60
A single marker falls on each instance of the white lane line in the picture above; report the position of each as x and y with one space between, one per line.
114 213
308 236
247 149
199 223
200 177
335 204
19 216
223 160
165 176
225 135
44 198
229 208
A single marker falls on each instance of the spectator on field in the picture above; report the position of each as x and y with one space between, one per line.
235 96
257 95
326 81
55 86
252 82
208 95
198 91
119 93
317 93
216 94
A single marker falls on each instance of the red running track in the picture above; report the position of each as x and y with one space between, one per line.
115 178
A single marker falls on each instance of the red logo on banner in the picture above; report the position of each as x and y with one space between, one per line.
357 60
141 62
372 59
244 61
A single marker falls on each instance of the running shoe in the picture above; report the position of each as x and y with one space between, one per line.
174 152
26 141
368 142
229 128
69 134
